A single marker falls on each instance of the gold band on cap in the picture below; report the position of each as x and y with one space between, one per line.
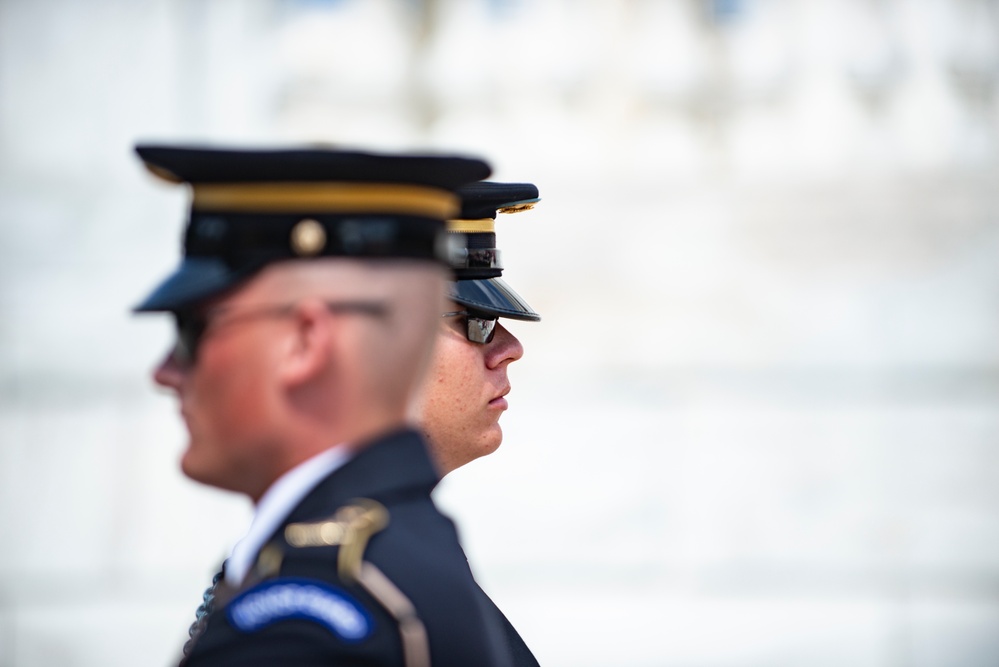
471 226
389 198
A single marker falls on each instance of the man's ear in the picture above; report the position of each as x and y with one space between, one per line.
307 350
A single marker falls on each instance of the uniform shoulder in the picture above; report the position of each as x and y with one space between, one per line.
312 593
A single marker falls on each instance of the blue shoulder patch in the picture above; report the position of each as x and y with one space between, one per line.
304 599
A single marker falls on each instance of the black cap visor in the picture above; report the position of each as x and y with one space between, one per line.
197 279
492 296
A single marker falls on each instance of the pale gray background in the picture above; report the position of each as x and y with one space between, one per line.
759 424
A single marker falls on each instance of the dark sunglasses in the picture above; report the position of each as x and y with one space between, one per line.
477 329
191 326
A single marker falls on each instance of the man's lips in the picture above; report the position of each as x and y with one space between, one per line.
499 401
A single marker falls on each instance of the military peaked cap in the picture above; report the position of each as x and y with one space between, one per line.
250 208
476 261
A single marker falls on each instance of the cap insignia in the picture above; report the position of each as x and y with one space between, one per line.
518 207
308 238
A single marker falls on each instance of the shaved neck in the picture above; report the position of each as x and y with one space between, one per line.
347 377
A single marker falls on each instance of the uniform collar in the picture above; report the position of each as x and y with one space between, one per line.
394 466
275 505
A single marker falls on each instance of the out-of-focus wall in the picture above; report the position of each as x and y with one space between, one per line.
758 424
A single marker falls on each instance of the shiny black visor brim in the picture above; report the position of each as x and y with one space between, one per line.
492 296
195 280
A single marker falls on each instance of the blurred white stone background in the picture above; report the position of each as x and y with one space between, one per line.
759 424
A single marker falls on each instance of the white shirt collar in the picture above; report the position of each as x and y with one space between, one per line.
276 504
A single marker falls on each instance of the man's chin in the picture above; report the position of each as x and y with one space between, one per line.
488 443
454 452
188 465
195 469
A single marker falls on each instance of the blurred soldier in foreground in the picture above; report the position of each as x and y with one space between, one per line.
464 394
306 305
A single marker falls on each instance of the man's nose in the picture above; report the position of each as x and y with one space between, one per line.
168 373
504 348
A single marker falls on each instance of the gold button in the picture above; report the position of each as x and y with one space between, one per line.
308 238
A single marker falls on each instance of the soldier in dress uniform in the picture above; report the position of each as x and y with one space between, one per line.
464 394
306 304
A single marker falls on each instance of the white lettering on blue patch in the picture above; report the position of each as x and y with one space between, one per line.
304 599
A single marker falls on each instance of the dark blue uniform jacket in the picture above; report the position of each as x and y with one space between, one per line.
304 612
